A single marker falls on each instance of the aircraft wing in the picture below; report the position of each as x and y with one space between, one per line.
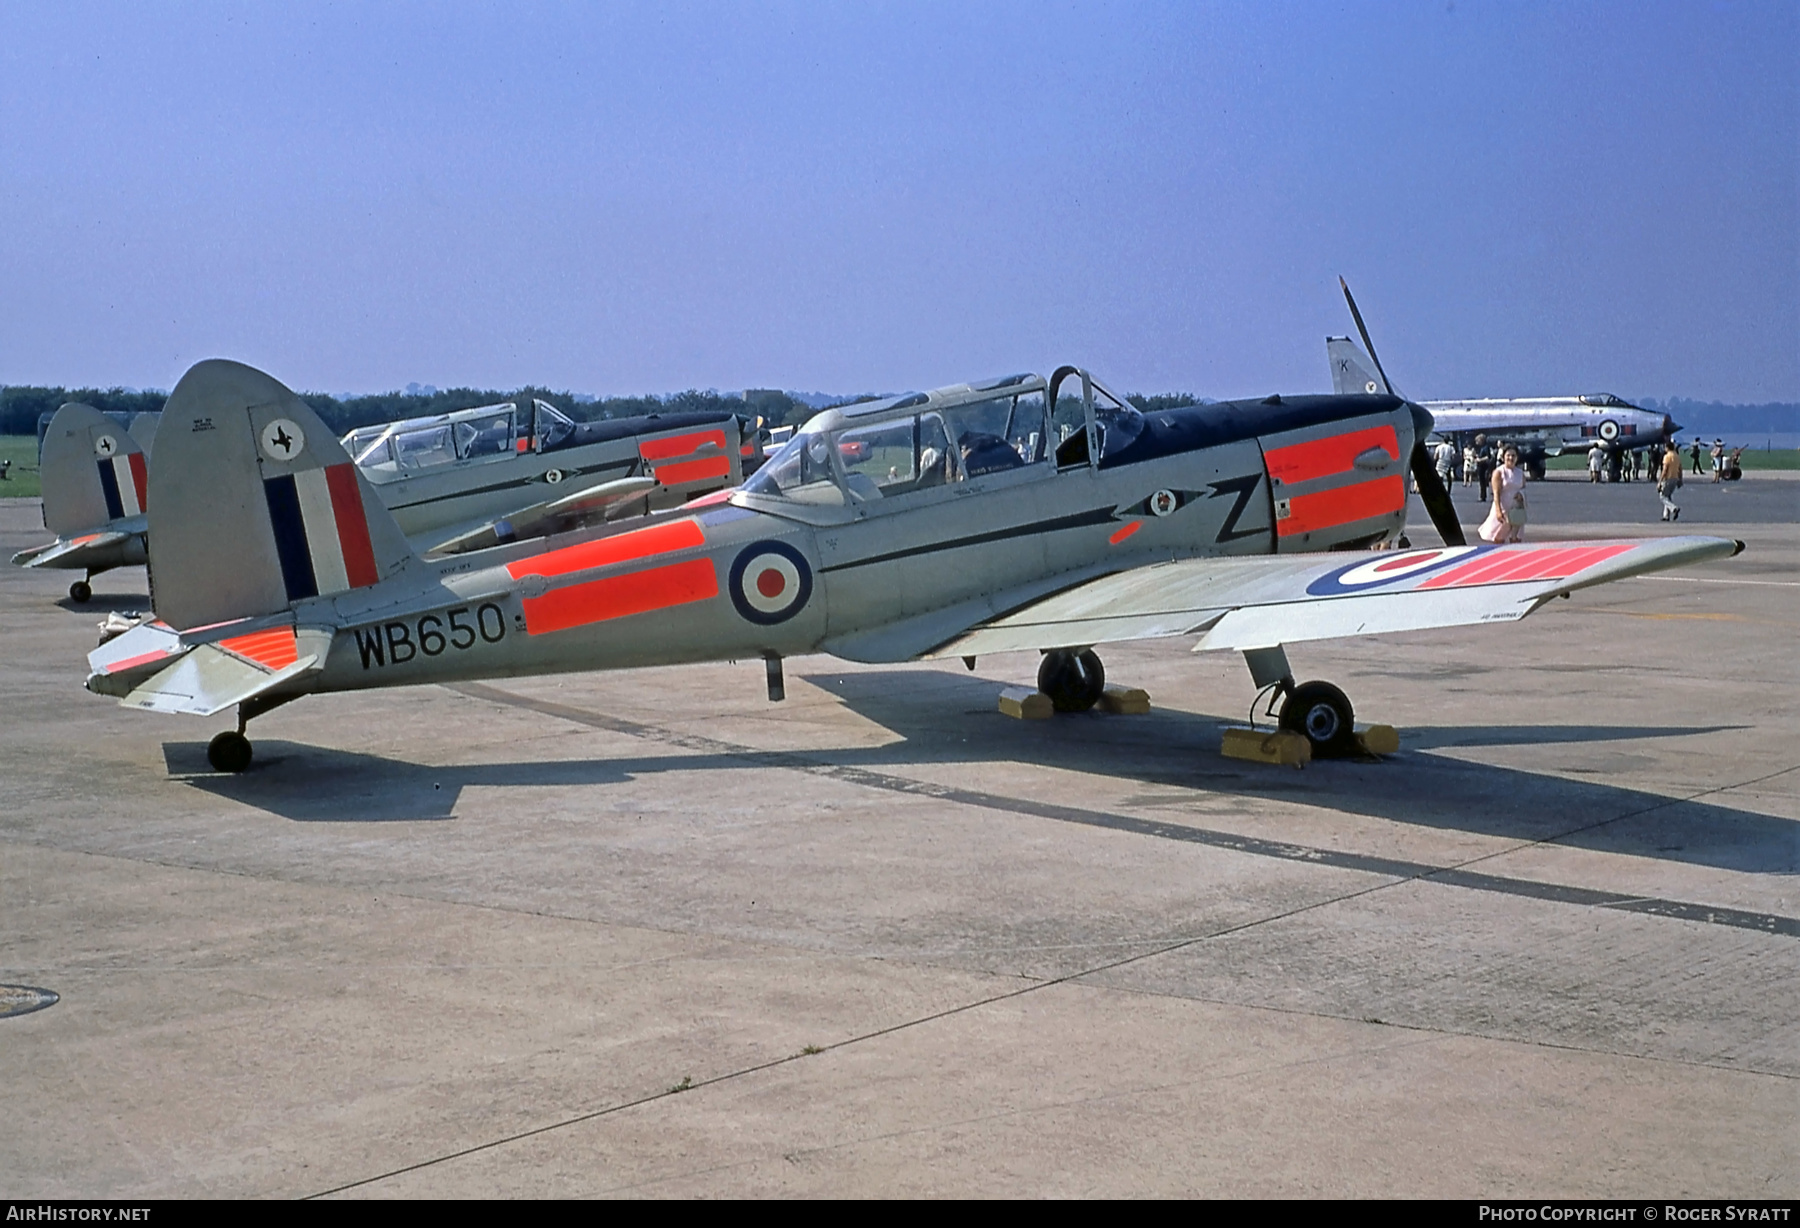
1260 602
69 553
541 519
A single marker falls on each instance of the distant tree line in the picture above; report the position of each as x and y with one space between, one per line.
1719 418
22 405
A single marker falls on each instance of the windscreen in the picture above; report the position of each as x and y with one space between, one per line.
800 470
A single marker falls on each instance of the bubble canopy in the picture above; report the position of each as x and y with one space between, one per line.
898 446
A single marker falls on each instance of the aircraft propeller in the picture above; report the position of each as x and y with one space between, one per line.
1431 489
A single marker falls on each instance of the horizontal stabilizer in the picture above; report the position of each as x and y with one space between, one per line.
213 677
128 658
74 553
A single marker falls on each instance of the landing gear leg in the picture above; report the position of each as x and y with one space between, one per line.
230 751
81 590
1073 678
1317 711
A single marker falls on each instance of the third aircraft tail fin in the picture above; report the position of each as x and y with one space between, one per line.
1351 370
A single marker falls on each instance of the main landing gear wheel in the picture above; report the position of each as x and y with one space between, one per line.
1321 714
1072 680
229 752
80 591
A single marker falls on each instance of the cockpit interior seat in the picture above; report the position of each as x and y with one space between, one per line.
985 453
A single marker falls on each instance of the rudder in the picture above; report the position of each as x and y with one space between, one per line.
257 506
1352 373
94 472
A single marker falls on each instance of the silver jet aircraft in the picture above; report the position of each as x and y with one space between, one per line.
95 477
1025 513
1539 427
478 477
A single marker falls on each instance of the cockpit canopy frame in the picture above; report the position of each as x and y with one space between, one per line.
481 433
874 452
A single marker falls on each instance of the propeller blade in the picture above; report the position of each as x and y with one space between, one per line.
1367 344
1436 498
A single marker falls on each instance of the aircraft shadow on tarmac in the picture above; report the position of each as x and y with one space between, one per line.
316 784
1180 750
942 718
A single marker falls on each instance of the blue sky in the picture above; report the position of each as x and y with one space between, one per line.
1527 199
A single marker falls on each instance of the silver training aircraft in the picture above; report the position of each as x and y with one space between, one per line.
1025 513
95 478
1539 427
498 473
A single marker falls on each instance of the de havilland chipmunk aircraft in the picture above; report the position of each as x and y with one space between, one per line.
1024 513
1539 427
477 477
95 479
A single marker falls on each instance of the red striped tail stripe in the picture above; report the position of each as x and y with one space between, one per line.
321 531
124 485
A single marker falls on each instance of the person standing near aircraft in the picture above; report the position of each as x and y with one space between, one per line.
1506 519
1596 462
1484 463
1695 451
1670 483
1718 460
1445 459
1468 462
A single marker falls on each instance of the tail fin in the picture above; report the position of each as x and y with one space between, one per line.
1351 371
94 473
143 429
257 505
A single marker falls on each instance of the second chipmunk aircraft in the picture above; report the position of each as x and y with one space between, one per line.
1024 513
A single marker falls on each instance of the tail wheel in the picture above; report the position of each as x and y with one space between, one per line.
229 752
80 591
1321 714
1072 680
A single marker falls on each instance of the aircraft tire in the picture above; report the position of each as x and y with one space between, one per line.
229 752
1072 680
80 591
1321 714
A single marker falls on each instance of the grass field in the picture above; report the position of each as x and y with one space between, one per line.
22 478
1753 458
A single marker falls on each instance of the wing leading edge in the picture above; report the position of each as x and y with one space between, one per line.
1261 602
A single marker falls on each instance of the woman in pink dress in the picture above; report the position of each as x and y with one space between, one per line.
1508 485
